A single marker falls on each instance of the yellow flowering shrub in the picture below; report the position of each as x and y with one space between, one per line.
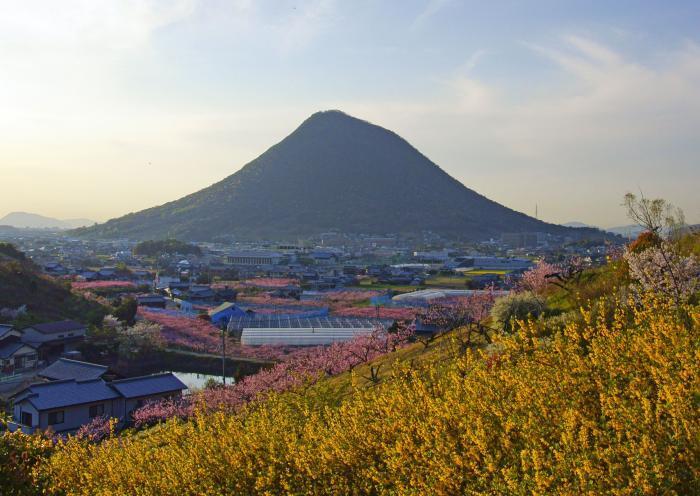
19 454
602 407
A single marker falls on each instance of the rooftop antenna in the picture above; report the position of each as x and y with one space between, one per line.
536 217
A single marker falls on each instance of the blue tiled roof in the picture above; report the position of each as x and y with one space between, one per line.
59 394
148 385
64 368
7 349
4 329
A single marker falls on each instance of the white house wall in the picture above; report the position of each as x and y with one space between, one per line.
76 416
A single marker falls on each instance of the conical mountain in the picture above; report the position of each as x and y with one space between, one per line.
333 172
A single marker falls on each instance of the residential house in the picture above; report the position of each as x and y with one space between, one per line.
200 293
162 283
107 273
136 391
324 257
63 406
88 275
54 338
177 289
55 268
15 356
151 301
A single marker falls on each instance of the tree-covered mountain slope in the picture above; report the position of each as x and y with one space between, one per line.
23 285
333 172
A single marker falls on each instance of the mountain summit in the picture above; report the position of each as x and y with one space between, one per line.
333 172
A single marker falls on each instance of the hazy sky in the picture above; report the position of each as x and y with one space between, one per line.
108 107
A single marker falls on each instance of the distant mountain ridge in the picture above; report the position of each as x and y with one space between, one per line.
631 230
577 224
333 172
36 221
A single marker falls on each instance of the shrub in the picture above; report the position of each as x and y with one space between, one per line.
126 311
11 251
19 455
516 306
646 239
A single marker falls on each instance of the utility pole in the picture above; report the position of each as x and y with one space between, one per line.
224 330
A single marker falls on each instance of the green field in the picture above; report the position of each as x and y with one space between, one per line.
460 281
482 272
442 281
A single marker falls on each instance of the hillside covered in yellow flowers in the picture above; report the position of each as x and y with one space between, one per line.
599 396
604 404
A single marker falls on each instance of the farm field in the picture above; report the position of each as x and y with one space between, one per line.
481 272
460 281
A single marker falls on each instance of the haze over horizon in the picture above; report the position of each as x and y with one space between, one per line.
111 108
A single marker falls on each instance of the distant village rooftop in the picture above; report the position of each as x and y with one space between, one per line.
59 326
63 369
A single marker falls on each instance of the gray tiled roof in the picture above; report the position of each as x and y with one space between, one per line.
148 385
56 327
59 394
64 368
